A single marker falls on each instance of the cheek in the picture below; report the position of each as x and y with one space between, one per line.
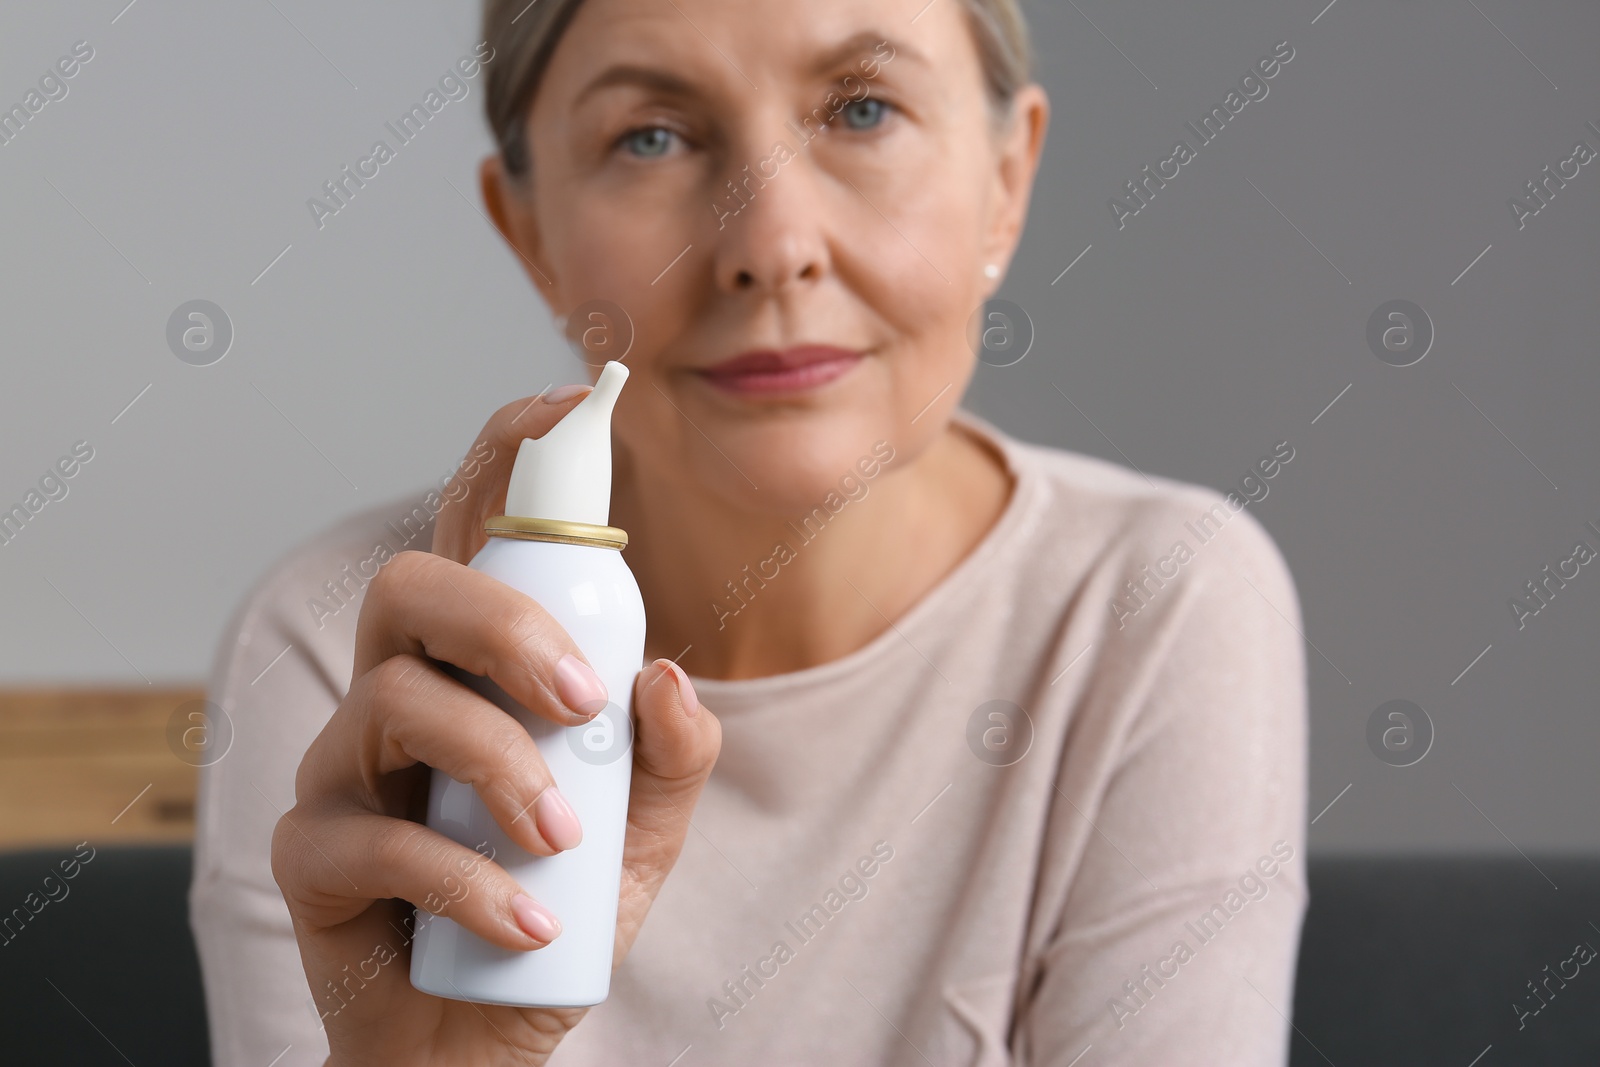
610 249
926 285
919 262
605 249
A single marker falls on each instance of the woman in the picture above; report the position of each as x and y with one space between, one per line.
982 768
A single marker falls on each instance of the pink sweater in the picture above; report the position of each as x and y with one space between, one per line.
1048 814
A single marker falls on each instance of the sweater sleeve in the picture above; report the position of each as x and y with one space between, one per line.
281 668
1178 938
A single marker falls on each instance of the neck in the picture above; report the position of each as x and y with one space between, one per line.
750 595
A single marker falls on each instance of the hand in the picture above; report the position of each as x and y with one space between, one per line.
352 856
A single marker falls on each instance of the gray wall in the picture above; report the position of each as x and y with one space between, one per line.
1222 318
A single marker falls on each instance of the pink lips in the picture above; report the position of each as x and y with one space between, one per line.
789 370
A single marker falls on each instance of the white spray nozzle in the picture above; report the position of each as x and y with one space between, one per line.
566 474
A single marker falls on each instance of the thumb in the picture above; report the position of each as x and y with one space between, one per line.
678 738
675 746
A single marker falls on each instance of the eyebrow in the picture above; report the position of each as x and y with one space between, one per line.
645 77
865 42
669 84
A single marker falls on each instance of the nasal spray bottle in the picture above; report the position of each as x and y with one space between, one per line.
554 544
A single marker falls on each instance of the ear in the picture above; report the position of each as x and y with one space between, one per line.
510 204
1020 148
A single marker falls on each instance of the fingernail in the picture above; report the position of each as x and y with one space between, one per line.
556 820
535 920
691 702
565 392
579 687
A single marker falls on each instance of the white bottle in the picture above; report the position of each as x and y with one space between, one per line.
553 544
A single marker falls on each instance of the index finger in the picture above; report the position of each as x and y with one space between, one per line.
458 531
422 605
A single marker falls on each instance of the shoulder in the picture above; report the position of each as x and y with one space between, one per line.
1102 525
1188 605
305 603
1192 681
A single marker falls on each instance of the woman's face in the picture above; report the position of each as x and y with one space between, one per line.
876 192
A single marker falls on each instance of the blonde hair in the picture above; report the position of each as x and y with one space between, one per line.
524 36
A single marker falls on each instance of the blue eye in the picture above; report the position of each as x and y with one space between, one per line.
648 141
865 113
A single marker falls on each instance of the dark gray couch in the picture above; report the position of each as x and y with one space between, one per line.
1403 961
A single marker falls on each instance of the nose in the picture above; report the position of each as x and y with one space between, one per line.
772 236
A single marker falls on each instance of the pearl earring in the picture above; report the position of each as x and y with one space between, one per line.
991 270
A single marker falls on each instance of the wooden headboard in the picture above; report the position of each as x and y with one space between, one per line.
94 764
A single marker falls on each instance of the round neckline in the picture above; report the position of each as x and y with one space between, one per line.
725 694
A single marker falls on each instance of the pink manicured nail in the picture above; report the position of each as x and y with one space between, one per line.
534 919
565 392
556 819
691 702
579 687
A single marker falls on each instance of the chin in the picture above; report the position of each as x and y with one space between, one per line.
790 463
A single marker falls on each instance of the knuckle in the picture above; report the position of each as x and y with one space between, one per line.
395 679
288 853
520 769
526 627
409 563
305 781
502 757
280 852
308 773
395 576
399 846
